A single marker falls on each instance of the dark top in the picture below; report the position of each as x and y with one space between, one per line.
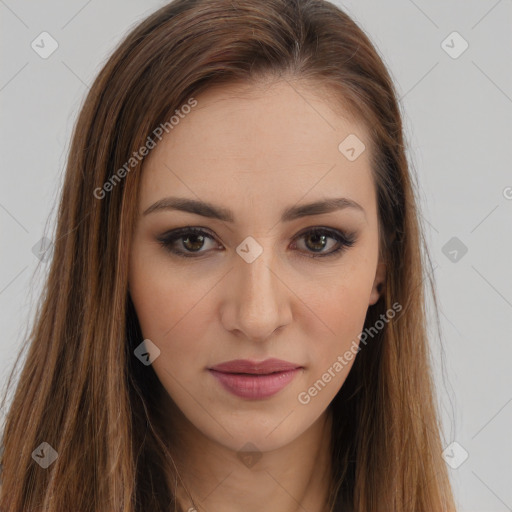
341 506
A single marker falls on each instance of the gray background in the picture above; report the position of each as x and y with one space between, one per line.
458 120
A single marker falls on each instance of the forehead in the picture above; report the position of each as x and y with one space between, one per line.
262 144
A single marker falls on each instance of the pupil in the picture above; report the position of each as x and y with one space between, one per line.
187 239
322 237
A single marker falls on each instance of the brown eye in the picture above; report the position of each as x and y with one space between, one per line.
316 242
317 239
192 241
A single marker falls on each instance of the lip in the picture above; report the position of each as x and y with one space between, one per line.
255 380
253 367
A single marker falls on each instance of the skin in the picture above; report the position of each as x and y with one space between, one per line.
255 149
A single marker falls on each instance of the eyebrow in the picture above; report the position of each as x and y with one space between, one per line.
212 211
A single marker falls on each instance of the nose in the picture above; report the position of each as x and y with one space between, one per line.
258 300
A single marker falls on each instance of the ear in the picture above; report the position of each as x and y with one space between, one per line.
378 283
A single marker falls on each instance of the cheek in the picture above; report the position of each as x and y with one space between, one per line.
340 306
345 310
169 309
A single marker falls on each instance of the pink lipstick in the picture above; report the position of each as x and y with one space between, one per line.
255 380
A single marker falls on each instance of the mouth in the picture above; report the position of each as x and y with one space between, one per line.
253 380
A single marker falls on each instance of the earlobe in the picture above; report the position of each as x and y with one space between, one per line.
378 283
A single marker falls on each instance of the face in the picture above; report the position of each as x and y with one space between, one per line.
260 276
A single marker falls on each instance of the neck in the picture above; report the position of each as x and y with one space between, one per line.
292 478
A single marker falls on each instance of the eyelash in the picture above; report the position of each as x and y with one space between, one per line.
345 240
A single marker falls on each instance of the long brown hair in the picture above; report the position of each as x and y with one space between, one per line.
82 391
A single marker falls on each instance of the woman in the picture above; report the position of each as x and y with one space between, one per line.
234 314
